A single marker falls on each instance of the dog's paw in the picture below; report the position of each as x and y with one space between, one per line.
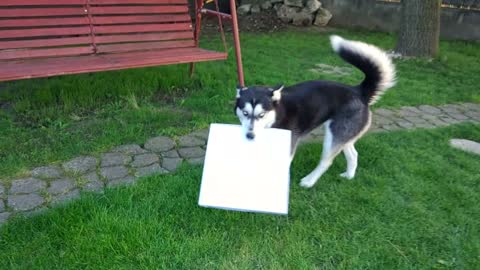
307 182
347 175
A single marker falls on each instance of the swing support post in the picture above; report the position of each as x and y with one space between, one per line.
199 10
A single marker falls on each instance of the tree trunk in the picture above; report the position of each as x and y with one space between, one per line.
420 28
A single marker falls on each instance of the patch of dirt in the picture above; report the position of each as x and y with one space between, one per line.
263 22
169 97
331 70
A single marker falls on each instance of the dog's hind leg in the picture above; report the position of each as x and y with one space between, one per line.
330 151
351 154
352 160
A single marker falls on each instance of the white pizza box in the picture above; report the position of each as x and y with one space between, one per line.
246 175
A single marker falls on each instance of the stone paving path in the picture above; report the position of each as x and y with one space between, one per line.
51 185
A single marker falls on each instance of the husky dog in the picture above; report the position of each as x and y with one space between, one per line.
343 109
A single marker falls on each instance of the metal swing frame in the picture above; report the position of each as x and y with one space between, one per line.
200 10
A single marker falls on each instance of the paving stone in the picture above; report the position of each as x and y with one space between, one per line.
412 109
2 190
114 172
310 136
170 154
424 125
473 115
385 112
391 127
471 107
35 212
202 134
159 144
466 145
318 131
122 181
66 197
93 186
191 152
61 186
114 159
144 160
2 206
449 108
430 109
4 217
307 139
415 119
405 124
403 112
473 121
93 183
190 141
47 172
381 120
196 161
129 149
25 202
80 165
458 116
460 107
437 122
155 168
171 164
376 129
429 116
449 120
27 185
90 177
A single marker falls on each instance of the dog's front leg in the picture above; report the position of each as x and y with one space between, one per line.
293 146
329 152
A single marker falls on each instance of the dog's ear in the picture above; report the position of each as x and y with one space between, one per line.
239 89
276 92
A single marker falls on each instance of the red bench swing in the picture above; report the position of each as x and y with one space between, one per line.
42 38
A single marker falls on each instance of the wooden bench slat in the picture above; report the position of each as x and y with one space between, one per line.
10 3
165 57
14 70
143 37
38 43
37 22
141 19
142 28
44 32
85 61
143 46
19 54
123 2
100 10
41 12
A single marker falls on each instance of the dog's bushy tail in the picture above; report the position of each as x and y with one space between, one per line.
375 63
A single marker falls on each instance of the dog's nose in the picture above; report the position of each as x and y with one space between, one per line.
250 135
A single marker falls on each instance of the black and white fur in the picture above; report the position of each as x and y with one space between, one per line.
343 109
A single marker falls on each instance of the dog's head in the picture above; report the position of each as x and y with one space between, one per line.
255 107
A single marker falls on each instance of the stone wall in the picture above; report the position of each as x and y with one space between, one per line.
456 23
297 12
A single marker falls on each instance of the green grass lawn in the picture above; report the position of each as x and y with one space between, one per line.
54 119
413 205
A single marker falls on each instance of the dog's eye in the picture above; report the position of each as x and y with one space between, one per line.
261 115
245 113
